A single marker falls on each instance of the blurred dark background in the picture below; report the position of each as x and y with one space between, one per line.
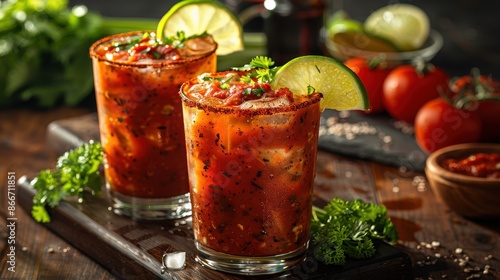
471 28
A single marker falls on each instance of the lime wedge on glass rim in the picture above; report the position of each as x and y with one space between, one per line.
195 17
341 88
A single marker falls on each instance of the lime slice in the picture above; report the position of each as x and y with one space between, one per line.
405 25
197 16
341 88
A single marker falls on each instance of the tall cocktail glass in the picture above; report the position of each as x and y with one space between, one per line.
251 170
140 120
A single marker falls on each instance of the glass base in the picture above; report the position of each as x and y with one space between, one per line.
249 265
171 208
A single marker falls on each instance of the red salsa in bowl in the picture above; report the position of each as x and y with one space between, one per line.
483 165
466 178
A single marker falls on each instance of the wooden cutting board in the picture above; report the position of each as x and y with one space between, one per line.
133 250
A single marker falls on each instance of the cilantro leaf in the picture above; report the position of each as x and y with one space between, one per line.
75 171
261 62
260 67
40 214
178 40
348 229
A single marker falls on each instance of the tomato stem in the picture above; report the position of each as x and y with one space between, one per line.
375 62
476 90
422 68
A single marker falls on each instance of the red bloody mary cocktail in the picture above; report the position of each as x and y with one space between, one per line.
137 81
251 160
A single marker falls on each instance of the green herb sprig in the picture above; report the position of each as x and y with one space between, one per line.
179 39
348 229
75 171
260 67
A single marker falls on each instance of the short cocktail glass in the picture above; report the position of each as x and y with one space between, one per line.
251 172
140 122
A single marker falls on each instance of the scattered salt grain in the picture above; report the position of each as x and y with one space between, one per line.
404 127
335 126
460 257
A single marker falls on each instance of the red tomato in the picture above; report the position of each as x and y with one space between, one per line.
372 77
438 124
489 110
406 90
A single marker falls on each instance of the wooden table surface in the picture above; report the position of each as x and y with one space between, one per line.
436 239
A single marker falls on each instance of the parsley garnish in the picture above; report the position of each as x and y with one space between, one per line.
75 171
178 40
256 91
347 229
224 84
261 67
247 80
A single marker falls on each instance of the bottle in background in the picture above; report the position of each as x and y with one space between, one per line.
250 13
293 27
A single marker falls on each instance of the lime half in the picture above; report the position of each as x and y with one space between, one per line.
341 88
406 26
195 17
